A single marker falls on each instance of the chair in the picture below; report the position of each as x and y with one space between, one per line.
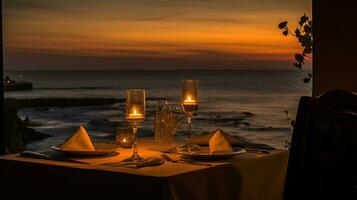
323 154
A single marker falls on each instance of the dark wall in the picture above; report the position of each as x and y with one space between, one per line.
335 45
2 139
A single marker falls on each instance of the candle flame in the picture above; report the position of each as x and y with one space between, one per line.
135 114
124 140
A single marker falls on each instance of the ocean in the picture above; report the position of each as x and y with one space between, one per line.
249 103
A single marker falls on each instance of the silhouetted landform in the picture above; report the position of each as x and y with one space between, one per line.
17 134
16 130
12 85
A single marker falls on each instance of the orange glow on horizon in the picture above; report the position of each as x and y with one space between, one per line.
203 32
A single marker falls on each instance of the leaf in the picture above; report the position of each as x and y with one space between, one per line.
307 50
303 19
298 65
297 32
310 74
305 40
307 29
286 33
299 58
282 25
310 22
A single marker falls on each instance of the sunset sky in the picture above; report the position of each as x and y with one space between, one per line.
149 34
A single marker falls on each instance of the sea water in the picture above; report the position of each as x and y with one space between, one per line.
249 103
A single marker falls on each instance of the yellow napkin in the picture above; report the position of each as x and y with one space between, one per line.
78 141
203 139
219 144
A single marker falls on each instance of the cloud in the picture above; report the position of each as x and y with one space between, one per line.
29 5
203 33
30 61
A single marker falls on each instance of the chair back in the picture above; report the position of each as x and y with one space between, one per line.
323 154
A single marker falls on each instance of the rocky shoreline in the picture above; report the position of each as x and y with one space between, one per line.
17 132
20 132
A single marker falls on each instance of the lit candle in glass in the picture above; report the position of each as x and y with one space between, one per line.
124 137
189 98
189 101
134 116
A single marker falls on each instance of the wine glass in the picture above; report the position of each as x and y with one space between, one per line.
134 116
189 101
172 118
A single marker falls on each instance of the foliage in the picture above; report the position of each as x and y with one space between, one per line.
303 34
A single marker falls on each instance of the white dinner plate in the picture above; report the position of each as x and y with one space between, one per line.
204 154
100 149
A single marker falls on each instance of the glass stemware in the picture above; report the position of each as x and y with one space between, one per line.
134 116
189 101
172 118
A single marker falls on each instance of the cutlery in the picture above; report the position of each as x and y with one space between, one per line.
33 154
118 164
149 162
168 159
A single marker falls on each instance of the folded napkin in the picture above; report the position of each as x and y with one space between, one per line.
219 144
78 141
205 137
236 141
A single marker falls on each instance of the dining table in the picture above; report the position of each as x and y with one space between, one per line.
248 176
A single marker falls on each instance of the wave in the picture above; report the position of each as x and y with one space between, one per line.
269 128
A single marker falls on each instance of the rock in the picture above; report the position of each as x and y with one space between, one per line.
31 135
17 134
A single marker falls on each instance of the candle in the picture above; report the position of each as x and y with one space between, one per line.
124 137
135 115
189 101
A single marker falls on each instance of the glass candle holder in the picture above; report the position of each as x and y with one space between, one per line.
189 100
134 116
124 137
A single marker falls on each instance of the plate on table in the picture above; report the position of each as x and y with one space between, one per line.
100 150
204 154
